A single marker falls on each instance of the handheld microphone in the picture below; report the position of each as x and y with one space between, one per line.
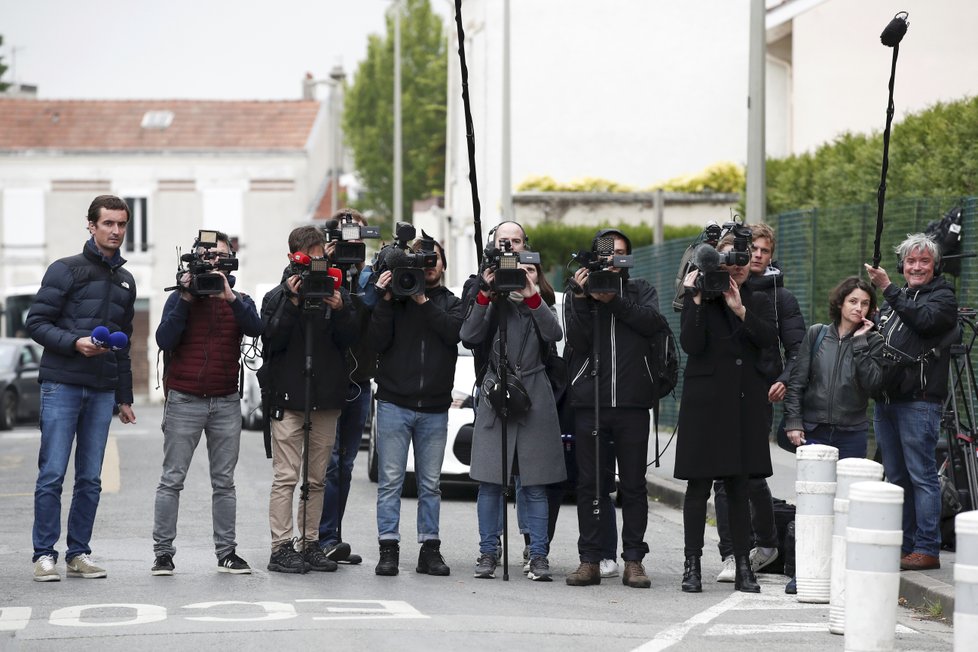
100 336
118 340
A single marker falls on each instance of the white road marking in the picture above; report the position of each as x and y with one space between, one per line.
273 611
672 635
388 609
14 618
72 616
780 628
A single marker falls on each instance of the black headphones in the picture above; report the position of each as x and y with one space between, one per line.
492 233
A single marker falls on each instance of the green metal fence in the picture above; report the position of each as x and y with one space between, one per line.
819 247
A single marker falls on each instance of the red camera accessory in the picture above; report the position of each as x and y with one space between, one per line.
300 258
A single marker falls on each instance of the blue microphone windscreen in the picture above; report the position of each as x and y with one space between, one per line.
118 340
100 335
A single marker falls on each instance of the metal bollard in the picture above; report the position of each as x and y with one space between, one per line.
872 583
966 581
848 472
815 490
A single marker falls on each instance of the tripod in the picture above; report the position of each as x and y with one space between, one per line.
503 372
310 308
959 416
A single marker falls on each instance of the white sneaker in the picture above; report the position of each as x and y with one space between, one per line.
762 558
45 569
82 566
609 568
729 571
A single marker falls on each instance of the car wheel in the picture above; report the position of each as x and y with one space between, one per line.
8 410
372 471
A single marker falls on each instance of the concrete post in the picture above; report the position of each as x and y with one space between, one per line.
815 489
873 566
848 472
966 581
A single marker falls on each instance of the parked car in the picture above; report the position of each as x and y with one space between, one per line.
20 360
461 419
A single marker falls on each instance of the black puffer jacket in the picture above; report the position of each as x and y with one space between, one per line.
791 325
835 390
77 294
284 352
417 346
914 323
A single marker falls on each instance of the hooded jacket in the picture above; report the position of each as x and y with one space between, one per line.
916 325
77 294
626 326
417 347
791 325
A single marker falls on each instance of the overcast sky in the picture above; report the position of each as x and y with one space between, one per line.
215 49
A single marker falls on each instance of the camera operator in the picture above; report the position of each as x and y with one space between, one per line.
917 323
723 421
534 451
626 324
201 340
776 364
333 327
416 339
361 361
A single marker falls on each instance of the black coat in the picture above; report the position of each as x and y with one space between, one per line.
77 294
790 322
284 352
723 413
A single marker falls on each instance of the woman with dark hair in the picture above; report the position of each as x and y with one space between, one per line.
838 367
723 422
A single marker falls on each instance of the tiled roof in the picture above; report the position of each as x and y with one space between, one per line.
29 124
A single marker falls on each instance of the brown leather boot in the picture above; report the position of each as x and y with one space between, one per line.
587 573
634 575
919 561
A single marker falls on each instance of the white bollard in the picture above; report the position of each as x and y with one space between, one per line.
815 491
873 566
847 472
966 581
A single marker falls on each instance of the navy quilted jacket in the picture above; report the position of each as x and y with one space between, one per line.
77 294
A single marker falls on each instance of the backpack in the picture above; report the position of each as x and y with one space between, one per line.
665 363
947 233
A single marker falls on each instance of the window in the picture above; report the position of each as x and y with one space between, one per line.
137 235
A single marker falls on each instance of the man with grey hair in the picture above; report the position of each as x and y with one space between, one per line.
916 320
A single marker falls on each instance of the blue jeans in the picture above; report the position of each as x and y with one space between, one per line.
907 436
534 506
185 416
851 443
397 428
339 472
82 414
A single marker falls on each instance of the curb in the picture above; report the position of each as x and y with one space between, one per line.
920 590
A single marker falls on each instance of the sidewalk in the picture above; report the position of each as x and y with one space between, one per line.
921 589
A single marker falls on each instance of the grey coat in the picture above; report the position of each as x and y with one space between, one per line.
534 438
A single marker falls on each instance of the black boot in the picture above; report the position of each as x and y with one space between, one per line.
430 561
745 580
692 575
390 555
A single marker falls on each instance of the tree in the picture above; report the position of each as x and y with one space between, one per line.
3 69
368 112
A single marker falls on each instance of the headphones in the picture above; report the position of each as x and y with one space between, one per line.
492 233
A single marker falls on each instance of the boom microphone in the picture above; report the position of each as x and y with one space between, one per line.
100 336
706 258
117 340
895 30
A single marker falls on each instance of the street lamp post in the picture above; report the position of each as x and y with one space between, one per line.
398 197
338 77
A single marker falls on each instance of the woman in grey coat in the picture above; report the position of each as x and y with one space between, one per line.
534 452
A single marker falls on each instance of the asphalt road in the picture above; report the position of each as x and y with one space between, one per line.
353 609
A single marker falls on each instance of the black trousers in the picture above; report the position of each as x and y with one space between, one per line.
628 429
765 533
694 514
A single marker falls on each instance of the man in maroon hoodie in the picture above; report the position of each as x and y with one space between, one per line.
200 336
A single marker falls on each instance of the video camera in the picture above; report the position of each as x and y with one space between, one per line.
505 263
343 231
599 261
702 255
407 267
205 266
318 279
